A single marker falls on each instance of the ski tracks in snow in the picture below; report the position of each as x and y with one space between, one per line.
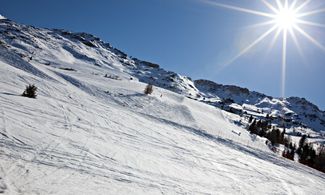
4 128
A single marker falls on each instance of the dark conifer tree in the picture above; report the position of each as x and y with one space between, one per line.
302 142
250 119
252 127
30 91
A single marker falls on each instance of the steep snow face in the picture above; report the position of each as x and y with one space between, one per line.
237 94
151 73
57 47
2 17
91 129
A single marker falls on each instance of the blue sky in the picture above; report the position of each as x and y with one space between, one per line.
192 38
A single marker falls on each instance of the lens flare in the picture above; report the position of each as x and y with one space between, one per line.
286 19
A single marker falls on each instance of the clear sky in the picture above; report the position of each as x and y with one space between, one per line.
193 38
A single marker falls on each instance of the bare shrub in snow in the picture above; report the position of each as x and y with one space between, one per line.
148 90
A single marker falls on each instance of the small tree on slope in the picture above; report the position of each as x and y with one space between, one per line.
30 91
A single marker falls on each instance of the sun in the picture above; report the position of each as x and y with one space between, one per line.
286 18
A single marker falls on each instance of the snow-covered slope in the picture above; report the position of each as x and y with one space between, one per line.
91 129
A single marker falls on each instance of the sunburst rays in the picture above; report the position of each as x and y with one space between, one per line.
286 18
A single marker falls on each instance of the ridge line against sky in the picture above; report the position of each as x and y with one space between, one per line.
188 37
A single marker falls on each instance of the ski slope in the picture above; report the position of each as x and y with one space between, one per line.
75 139
90 134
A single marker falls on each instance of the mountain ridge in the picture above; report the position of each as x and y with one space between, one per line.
96 38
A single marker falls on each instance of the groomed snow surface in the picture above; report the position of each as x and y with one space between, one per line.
87 134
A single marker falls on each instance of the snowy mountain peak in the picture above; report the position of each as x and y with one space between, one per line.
298 112
211 88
